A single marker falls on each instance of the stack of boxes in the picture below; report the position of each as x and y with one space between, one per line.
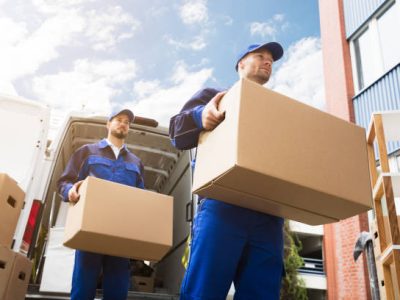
15 269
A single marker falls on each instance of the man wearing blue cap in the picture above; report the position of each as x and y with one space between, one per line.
230 243
108 159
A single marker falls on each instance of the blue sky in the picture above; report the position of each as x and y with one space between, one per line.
152 55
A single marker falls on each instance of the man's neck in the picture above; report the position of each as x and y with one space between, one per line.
115 141
256 80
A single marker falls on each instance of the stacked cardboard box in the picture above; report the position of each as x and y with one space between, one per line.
276 155
11 203
15 269
143 284
120 220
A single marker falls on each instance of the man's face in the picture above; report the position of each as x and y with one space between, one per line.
119 126
256 66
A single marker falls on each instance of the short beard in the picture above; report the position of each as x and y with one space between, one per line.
262 79
119 135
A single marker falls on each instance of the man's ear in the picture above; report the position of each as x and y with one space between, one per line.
240 64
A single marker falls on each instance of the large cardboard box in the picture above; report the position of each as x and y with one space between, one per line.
276 155
120 220
11 203
15 271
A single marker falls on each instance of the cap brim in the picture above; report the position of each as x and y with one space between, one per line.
127 112
273 47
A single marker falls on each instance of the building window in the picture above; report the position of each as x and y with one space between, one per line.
364 59
388 24
376 48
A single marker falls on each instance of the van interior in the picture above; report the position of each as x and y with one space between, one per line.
167 171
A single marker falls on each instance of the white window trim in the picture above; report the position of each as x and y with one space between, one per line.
372 28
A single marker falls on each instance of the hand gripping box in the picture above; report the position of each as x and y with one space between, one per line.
15 271
276 155
120 220
11 203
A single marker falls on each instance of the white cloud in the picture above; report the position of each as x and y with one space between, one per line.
301 75
105 28
165 102
7 88
263 29
57 6
23 52
91 85
270 28
144 88
27 45
196 44
279 17
194 11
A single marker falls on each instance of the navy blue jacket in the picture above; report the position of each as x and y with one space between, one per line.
99 160
185 127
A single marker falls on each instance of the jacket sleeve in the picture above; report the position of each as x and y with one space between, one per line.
71 174
185 127
140 178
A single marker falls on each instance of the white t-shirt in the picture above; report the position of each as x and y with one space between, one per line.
114 148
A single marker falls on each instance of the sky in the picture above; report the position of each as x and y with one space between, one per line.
150 56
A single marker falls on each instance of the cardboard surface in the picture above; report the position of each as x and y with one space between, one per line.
279 156
15 271
6 262
119 220
143 284
11 203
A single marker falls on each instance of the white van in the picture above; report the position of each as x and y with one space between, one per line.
36 164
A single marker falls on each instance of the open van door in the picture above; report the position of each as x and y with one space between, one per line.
24 127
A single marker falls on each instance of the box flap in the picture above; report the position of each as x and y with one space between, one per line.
236 197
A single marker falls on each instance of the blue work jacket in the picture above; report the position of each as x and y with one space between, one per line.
99 160
185 127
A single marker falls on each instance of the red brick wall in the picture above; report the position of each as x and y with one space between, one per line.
346 279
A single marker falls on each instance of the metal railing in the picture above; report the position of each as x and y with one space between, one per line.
312 266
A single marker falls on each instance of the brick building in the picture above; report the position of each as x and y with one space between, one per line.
361 58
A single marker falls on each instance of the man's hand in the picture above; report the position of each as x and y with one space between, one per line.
73 193
211 116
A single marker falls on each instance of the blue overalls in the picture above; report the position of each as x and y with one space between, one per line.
98 160
229 243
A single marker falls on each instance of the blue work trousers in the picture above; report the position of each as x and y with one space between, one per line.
234 244
87 268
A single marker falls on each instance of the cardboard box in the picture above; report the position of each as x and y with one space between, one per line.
276 155
6 262
11 202
120 220
15 271
143 284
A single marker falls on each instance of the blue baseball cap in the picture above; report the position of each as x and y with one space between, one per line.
273 47
127 112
